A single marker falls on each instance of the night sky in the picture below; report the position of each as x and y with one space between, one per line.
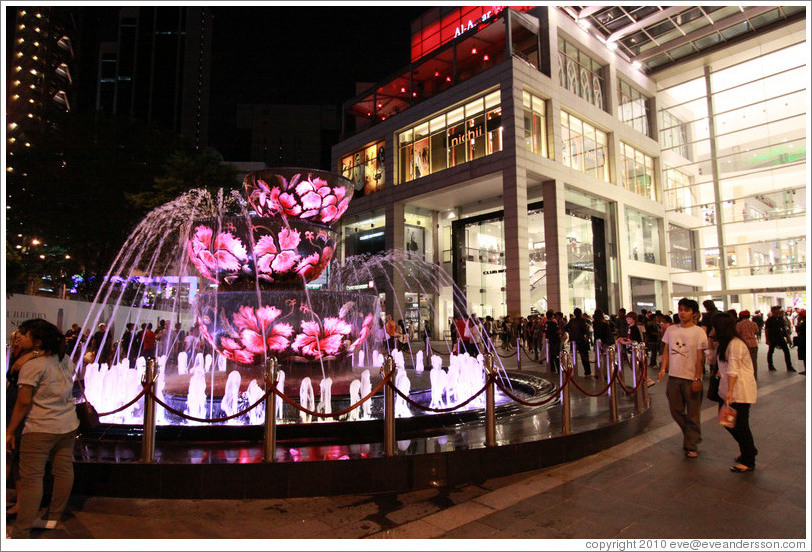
306 54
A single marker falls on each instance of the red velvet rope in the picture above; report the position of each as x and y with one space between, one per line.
552 396
298 406
441 410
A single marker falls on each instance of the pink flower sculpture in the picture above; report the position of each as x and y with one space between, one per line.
312 343
227 255
311 198
271 259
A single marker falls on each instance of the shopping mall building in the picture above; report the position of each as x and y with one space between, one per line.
603 156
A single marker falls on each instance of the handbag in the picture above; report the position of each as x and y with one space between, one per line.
88 417
727 416
713 388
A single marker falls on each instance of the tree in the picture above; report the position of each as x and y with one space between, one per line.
182 171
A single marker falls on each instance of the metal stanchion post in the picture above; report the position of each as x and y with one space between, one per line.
640 395
635 374
547 354
490 403
574 360
388 408
518 353
598 353
566 412
148 439
271 377
613 386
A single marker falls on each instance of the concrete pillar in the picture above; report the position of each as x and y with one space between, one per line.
517 256
555 241
395 239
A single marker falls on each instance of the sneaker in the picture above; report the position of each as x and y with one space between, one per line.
44 524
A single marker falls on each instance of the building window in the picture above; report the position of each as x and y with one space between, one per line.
638 171
674 135
643 232
682 250
584 147
535 124
365 168
678 194
633 108
580 74
465 133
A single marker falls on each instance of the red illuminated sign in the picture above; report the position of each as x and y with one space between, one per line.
432 34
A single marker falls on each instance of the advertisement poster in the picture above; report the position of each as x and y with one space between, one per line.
421 158
415 240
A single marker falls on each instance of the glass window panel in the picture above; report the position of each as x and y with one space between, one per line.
455 116
405 136
421 131
436 124
493 99
474 107
475 137
438 152
494 125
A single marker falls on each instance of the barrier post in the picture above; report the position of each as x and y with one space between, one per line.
271 379
388 408
613 386
598 353
547 355
635 375
574 356
518 353
490 403
566 412
641 394
148 439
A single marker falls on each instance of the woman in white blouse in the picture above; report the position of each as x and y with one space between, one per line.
737 387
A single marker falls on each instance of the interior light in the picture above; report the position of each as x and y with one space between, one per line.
485 57
448 78
473 50
637 64
380 105
436 73
402 89
414 94
42 256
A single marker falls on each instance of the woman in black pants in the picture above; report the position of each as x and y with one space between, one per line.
737 387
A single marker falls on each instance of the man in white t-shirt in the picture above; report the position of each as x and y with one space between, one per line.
683 360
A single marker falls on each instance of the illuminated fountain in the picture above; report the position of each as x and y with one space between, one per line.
254 256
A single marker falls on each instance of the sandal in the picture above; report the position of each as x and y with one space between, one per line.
692 454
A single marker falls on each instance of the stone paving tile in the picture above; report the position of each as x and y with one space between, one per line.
474 530
419 529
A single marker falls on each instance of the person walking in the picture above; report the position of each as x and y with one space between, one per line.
737 386
391 333
45 396
747 331
683 360
551 333
776 337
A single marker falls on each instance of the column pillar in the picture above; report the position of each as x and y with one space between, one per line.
395 239
517 256
555 243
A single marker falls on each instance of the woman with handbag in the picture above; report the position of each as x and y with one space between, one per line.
45 396
737 387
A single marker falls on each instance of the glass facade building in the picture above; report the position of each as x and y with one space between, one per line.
542 169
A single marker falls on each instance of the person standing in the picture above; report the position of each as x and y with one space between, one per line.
148 345
737 386
578 332
126 345
551 332
391 333
683 360
800 329
747 331
45 396
774 332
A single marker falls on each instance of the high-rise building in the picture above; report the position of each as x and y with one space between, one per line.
601 156
39 74
158 69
